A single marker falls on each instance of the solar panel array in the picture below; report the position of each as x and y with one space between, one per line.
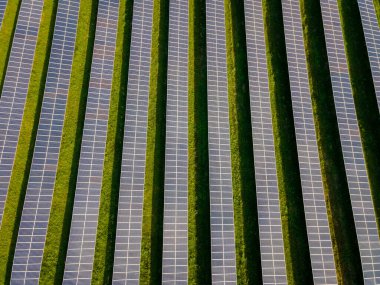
131 193
269 216
15 89
81 247
175 246
372 37
36 210
223 263
126 267
318 232
3 5
371 30
362 206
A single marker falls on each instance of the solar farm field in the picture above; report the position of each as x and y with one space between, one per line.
189 142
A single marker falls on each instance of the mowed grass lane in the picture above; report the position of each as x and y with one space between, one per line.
199 197
53 261
106 232
153 205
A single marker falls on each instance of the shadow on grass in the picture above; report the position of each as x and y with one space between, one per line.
247 239
199 197
151 259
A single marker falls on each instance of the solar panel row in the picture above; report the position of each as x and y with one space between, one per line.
223 263
318 231
362 206
36 210
81 247
268 203
372 37
3 5
131 193
15 89
175 244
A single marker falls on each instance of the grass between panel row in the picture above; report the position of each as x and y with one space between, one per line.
105 239
248 261
54 257
199 198
153 208
298 265
376 3
364 94
24 152
8 27
345 244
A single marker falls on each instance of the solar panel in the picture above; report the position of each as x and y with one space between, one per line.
3 5
35 215
131 195
318 231
15 89
81 247
175 246
362 206
269 215
223 263
372 37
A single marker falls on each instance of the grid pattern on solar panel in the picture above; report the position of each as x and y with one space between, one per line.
175 246
362 206
269 216
318 232
3 5
372 37
81 247
131 193
15 89
35 215
223 263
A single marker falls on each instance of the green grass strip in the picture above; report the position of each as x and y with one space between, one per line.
60 216
364 94
7 31
24 152
152 227
297 255
376 3
345 244
199 198
105 239
248 260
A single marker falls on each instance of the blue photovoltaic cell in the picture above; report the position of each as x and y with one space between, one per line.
3 5
223 263
268 203
131 195
35 216
318 231
81 247
175 246
372 37
15 89
362 206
